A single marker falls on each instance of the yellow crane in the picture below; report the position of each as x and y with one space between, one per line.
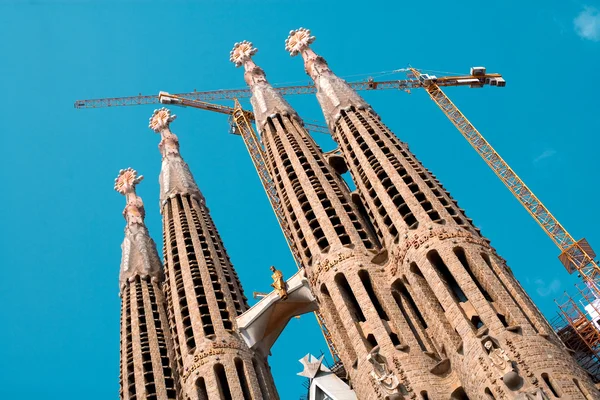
575 255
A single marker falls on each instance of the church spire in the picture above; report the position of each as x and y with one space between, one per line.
333 93
146 350
139 257
175 176
266 101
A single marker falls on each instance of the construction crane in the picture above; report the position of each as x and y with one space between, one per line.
581 333
575 255
241 121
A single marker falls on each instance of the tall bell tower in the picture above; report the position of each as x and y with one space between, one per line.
458 296
202 289
146 350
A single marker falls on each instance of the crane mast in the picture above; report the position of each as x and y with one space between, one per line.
575 255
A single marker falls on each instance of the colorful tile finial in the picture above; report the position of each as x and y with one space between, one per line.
127 180
161 119
241 52
298 40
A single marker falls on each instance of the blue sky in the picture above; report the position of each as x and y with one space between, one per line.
61 220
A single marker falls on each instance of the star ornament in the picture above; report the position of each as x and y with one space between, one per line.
241 52
297 40
161 119
127 180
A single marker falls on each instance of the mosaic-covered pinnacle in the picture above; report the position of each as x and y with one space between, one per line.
127 180
241 52
298 40
161 119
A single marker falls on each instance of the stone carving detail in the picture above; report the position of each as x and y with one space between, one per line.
382 374
326 265
417 241
298 40
125 184
242 52
502 365
521 363
536 394
279 283
404 378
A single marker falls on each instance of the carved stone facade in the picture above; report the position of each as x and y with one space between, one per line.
147 368
203 292
464 308
336 245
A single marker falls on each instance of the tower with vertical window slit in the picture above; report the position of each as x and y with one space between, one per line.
337 247
146 351
455 306
202 290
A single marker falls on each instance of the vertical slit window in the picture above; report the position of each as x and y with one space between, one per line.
552 388
366 281
239 367
201 389
337 321
349 298
261 379
222 382
407 305
489 394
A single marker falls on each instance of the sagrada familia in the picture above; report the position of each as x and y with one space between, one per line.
417 303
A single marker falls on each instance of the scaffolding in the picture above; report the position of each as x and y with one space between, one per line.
577 325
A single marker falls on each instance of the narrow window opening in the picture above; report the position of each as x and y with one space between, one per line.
394 338
366 281
583 392
489 394
371 341
349 298
424 395
330 306
459 394
446 276
224 390
502 319
261 379
476 321
401 296
201 389
239 367
462 257
554 390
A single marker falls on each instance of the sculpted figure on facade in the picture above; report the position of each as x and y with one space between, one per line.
383 375
279 283
503 365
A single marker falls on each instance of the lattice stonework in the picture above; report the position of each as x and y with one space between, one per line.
202 290
147 367
452 295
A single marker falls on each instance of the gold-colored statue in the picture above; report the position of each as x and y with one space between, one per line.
279 283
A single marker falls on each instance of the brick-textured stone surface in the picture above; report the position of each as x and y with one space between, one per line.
465 293
203 293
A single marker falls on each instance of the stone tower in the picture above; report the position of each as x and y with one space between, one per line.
202 290
337 247
146 351
458 297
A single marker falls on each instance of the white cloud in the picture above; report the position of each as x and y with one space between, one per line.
587 24
546 154
544 289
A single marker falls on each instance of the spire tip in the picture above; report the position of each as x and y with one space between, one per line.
161 119
241 52
298 40
127 180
